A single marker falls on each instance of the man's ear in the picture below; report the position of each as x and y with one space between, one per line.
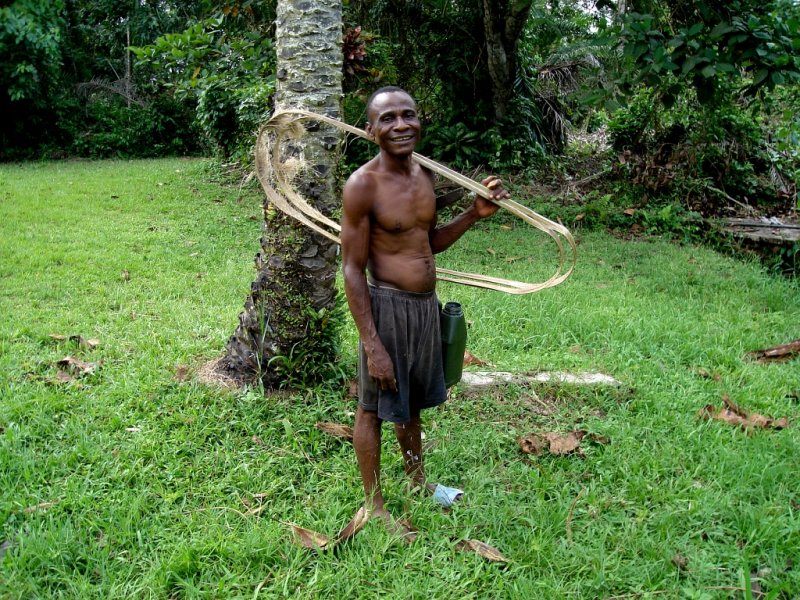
368 129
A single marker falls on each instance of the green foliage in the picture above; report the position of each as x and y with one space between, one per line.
701 155
30 44
708 46
227 67
109 128
310 362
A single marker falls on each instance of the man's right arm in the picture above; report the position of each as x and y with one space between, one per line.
355 236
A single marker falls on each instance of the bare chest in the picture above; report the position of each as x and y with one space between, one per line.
400 207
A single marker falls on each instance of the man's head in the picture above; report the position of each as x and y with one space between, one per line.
387 89
392 120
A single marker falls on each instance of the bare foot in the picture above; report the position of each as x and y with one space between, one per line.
401 528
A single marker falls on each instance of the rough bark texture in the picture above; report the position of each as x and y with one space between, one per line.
504 21
296 268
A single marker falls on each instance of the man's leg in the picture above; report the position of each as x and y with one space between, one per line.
409 436
367 443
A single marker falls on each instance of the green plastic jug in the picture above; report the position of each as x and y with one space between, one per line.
454 342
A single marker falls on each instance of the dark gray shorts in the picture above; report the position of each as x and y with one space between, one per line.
408 326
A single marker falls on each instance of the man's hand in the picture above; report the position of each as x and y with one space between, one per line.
486 208
381 369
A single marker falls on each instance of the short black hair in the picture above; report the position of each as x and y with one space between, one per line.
384 90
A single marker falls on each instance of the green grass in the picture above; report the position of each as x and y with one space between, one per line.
161 511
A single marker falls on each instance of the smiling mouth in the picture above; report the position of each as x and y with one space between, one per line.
403 138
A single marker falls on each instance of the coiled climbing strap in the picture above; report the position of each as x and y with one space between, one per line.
286 124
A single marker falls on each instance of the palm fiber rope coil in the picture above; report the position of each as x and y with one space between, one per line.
287 124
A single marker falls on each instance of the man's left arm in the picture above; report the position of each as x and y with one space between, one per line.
441 238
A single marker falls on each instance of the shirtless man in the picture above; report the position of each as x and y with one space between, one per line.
389 230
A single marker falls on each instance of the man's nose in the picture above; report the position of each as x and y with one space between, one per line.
400 123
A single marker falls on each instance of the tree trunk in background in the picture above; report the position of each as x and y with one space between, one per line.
504 22
297 267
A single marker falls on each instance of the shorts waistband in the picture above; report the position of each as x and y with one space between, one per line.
388 291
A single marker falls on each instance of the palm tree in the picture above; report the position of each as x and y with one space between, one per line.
285 321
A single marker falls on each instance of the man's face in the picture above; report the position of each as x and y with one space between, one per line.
394 123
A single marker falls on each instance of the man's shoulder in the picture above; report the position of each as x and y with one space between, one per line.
362 179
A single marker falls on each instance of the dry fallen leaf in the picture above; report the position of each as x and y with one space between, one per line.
564 443
125 275
732 414
484 550
533 444
309 539
78 339
471 359
133 429
511 259
77 366
491 251
257 441
782 352
681 562
629 212
335 429
352 389
558 443
355 525
507 227
40 506
181 372
64 377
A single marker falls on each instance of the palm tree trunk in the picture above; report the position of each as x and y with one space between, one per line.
296 268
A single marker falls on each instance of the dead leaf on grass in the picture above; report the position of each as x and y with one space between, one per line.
559 444
533 444
309 539
492 251
777 353
335 429
125 275
258 441
507 227
181 372
680 562
38 507
254 512
352 389
732 414
355 525
629 212
77 366
63 377
471 359
485 550
510 259
89 344
133 429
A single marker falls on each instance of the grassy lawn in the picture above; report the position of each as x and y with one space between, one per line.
137 481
